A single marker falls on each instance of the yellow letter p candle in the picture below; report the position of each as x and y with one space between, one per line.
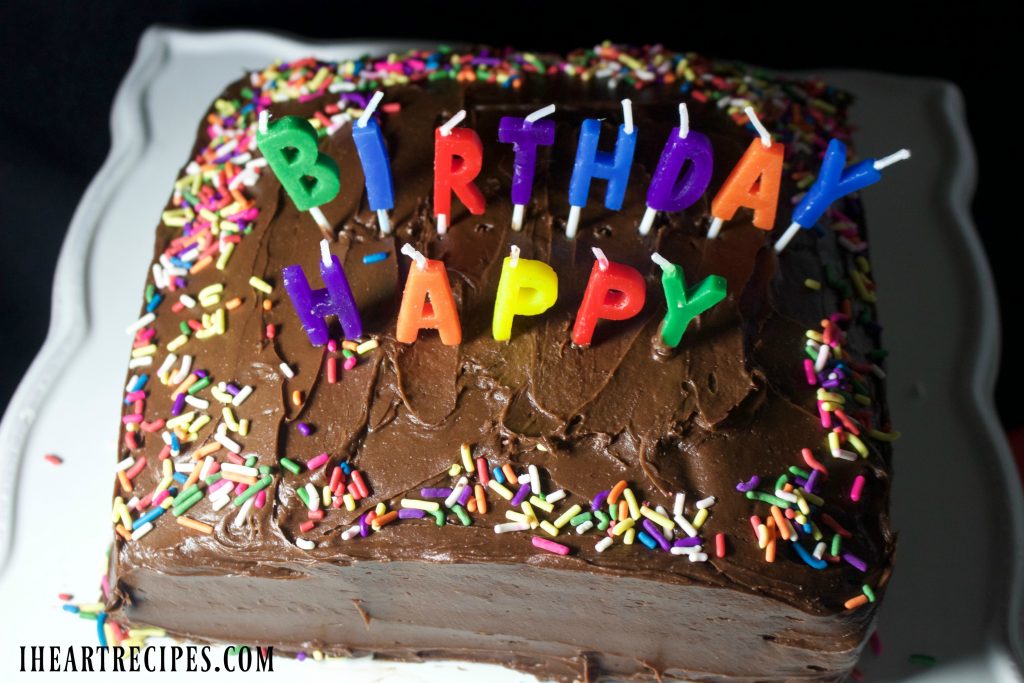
526 287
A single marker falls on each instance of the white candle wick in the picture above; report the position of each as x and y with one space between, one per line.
766 137
684 120
513 259
602 260
325 252
627 116
540 113
446 128
411 252
664 263
893 158
370 108
264 120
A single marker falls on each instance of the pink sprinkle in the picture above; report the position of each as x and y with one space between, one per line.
350 363
160 497
332 345
550 546
218 485
858 487
261 498
391 107
812 379
317 461
105 585
53 459
826 419
134 470
65 596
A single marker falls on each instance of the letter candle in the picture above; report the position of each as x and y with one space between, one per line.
373 155
591 163
526 287
670 188
309 176
835 180
525 135
427 301
682 304
314 305
614 292
754 182
458 158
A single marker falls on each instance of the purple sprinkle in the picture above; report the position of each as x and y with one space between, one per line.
832 384
364 528
749 485
407 513
201 374
800 481
653 530
467 491
435 493
687 542
598 501
855 561
232 389
179 404
521 495
301 656
304 428
812 481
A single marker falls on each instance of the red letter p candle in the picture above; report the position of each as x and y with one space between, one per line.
615 291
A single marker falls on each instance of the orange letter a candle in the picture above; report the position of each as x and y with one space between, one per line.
427 302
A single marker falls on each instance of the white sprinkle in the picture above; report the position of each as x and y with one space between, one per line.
165 367
705 502
132 503
140 323
844 454
314 497
823 352
197 402
453 497
685 550
239 469
243 513
819 550
219 502
699 557
142 531
240 397
188 301
555 496
207 465
227 442
785 495
534 480
585 527
304 544
286 371
686 526
125 464
350 532
184 467
677 507
182 373
144 361
604 544
511 526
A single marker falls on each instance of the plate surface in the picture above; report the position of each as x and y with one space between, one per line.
956 593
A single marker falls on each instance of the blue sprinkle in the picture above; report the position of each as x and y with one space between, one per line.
375 257
148 517
647 540
70 608
140 382
101 619
175 442
496 473
180 477
154 302
346 468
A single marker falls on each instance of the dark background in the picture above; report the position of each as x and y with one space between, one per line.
62 62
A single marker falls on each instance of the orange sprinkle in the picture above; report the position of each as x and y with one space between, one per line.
193 477
769 551
385 519
616 491
189 381
195 524
239 478
234 303
350 345
854 603
200 264
780 521
122 478
297 398
206 450
267 304
471 505
122 532
623 509
481 499
509 474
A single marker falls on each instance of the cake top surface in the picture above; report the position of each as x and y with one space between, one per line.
731 403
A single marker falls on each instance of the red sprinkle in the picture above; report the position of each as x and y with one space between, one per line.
719 545
53 459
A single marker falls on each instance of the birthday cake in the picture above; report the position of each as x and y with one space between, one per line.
449 373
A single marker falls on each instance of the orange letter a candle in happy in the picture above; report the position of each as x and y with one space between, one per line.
753 183
427 302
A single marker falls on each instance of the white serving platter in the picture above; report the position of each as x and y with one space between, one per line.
956 593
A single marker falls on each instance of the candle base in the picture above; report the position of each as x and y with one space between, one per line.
716 227
384 221
648 220
518 212
442 224
790 233
573 221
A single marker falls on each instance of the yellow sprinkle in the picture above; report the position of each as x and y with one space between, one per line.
564 518
147 350
700 518
830 396
812 498
816 532
863 264
455 470
500 489
517 517
380 509
326 496
833 441
366 347
629 537
182 419
883 436
527 509
801 502
417 504
229 418
467 458
201 422
542 504
622 526
243 427
815 335
862 399
762 536
177 343
550 528
350 502
225 255
858 445
258 284
811 283
634 509
658 518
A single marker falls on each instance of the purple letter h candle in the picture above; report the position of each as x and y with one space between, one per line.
314 305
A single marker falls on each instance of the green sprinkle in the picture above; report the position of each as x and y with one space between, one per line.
580 518
199 386
438 517
188 493
88 615
613 510
768 498
346 353
797 472
837 543
462 514
184 506
868 592
781 482
924 660
290 465
603 520
251 461
252 491
150 291
213 478
304 495
185 329
265 469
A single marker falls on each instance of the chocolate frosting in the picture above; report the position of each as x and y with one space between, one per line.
730 402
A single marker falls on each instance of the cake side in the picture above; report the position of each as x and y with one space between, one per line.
732 401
